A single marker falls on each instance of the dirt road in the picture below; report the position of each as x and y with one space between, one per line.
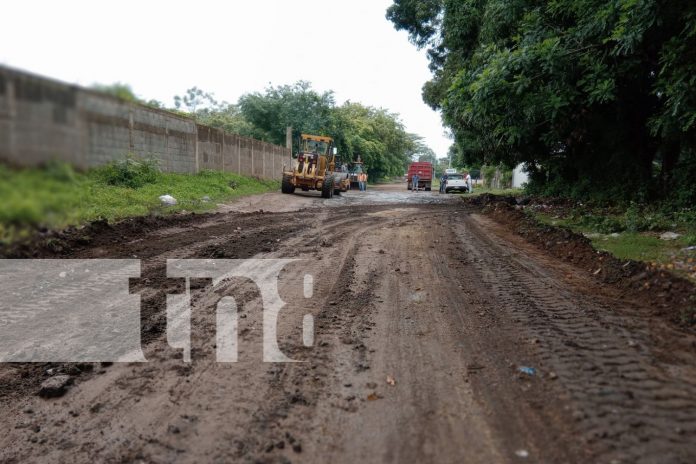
424 313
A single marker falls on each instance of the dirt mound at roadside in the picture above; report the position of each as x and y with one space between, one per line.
669 295
64 243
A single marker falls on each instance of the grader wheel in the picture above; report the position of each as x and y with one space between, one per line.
286 185
327 188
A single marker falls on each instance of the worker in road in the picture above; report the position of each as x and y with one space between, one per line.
443 182
469 184
414 182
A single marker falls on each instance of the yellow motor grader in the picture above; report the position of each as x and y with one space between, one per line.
315 168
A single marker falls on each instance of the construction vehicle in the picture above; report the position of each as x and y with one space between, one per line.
356 168
315 168
425 173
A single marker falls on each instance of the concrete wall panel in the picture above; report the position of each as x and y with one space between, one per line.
42 119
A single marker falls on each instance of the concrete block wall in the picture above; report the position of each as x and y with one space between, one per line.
42 119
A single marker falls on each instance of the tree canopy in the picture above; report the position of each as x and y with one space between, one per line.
375 134
596 97
125 92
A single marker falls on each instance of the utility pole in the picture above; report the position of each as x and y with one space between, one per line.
288 139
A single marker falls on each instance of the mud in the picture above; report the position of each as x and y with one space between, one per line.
668 295
425 309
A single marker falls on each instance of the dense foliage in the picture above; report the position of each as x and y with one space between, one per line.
125 92
596 97
131 172
56 196
374 134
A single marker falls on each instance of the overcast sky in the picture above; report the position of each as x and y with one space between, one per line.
162 48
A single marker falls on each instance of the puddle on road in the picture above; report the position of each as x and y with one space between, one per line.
395 212
383 195
377 196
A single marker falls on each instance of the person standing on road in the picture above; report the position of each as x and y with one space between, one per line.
469 185
414 182
443 182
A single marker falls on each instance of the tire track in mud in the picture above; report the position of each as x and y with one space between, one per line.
422 413
343 317
345 294
628 407
608 388
214 236
158 387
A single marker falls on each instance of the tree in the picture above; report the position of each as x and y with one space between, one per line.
376 135
205 109
296 105
125 92
588 93
118 90
194 99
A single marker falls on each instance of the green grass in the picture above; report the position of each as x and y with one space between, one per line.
638 247
55 197
480 190
613 233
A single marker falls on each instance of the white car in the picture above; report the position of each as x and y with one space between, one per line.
455 182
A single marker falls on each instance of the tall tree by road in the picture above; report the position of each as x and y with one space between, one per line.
375 134
595 96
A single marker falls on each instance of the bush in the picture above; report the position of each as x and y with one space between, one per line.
690 240
506 178
686 216
131 172
602 224
683 188
633 218
488 173
60 171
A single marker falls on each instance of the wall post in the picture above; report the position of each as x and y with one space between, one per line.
222 149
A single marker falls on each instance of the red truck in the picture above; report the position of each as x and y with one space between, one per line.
424 170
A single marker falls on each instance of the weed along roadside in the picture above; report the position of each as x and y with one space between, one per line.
670 293
660 235
56 196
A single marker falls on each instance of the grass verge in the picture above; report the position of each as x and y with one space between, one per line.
480 190
55 196
630 233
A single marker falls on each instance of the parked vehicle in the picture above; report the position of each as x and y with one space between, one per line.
425 173
356 168
456 182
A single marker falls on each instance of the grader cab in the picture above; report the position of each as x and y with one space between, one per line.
316 168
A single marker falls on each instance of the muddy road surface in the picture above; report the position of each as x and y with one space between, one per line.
438 336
